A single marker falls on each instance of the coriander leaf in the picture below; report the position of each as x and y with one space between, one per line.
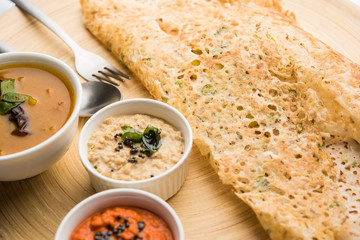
208 89
151 139
131 133
14 97
220 30
261 184
334 204
5 107
7 86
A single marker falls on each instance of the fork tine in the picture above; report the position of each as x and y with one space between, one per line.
105 79
110 74
115 71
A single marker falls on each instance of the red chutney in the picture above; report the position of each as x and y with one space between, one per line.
122 223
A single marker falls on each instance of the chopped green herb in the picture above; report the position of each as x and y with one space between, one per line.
179 83
354 164
164 98
271 116
261 184
108 44
258 25
334 204
220 30
320 146
218 50
208 89
299 127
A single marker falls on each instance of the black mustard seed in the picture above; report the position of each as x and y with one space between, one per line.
126 222
117 135
121 227
132 160
128 142
141 226
134 150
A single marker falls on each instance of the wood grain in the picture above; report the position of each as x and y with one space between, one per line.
33 208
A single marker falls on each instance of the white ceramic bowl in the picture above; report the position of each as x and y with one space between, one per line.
164 185
123 198
37 159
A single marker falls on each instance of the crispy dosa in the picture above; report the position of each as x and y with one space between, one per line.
257 91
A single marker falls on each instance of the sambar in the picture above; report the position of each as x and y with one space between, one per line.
54 102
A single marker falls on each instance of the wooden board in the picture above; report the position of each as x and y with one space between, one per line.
33 208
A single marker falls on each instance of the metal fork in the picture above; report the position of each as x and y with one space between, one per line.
90 66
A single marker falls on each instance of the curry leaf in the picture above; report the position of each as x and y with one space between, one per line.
14 97
132 133
7 86
151 139
5 107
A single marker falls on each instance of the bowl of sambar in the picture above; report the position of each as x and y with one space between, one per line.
39 111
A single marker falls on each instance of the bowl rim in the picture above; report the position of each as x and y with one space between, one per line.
98 114
75 84
118 192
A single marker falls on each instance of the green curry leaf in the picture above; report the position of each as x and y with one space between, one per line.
8 98
131 133
14 97
151 139
7 86
5 107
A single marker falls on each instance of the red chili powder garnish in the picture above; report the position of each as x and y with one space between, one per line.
122 223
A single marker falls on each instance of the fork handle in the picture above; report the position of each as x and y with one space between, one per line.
33 10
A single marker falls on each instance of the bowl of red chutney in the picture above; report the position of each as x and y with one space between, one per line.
121 214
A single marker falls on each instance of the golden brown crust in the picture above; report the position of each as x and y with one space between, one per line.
257 91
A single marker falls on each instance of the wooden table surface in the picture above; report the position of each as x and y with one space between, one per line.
33 208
